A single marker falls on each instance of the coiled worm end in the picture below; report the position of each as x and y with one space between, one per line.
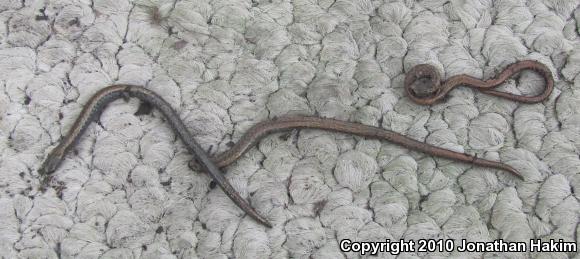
422 84
433 90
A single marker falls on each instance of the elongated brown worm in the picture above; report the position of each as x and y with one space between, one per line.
262 129
436 93
436 90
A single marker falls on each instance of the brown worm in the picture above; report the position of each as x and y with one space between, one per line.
262 129
428 75
97 104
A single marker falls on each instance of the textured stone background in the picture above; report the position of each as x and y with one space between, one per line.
225 65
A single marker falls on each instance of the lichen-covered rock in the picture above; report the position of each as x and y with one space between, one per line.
125 190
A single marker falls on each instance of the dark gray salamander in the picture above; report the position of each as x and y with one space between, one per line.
99 101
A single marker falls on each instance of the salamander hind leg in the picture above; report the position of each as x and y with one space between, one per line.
144 109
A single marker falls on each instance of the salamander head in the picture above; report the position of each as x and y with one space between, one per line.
51 162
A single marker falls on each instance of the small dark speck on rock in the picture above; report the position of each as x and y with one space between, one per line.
318 206
159 230
41 18
212 185
74 21
27 100
180 44
155 15
144 247
285 136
